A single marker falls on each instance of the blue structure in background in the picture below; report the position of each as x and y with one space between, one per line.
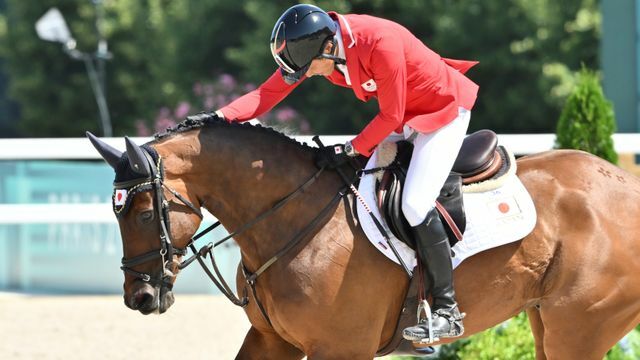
620 52
75 258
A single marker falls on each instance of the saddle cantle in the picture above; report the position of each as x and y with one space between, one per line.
479 159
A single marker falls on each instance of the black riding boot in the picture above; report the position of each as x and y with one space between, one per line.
434 253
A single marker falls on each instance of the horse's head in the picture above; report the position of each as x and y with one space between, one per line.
156 219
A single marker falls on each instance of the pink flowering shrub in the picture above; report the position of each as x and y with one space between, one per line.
211 96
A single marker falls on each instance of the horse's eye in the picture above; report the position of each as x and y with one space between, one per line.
146 216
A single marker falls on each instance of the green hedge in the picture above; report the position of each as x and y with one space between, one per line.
513 340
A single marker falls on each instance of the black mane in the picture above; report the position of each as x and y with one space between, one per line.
204 120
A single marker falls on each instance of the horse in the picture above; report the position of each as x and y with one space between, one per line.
332 295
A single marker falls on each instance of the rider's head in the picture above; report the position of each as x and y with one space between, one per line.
302 34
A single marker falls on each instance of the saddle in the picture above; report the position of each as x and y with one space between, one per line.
479 159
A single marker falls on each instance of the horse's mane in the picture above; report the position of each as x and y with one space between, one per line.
209 120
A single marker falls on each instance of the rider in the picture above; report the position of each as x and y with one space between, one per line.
420 94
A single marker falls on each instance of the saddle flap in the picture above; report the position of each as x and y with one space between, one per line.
450 198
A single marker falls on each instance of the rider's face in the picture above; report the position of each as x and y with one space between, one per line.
322 66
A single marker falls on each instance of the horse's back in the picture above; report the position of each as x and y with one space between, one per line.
580 168
583 185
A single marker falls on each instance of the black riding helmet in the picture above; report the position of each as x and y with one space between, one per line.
298 37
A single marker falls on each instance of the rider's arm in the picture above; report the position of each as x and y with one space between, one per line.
258 101
390 75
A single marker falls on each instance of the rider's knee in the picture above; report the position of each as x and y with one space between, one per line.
414 211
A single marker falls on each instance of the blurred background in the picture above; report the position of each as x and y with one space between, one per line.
160 60
135 67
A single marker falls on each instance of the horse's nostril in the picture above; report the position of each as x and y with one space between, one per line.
142 300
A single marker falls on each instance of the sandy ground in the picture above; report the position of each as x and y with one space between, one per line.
101 327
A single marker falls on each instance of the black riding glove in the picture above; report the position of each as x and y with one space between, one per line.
332 156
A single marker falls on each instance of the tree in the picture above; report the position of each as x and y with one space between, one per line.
527 50
587 121
161 48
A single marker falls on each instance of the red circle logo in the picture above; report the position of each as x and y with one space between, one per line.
503 207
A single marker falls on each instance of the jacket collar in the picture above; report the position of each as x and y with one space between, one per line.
347 34
353 63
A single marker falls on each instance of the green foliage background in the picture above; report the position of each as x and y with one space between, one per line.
587 122
528 51
513 340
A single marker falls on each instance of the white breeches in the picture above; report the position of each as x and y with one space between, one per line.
433 157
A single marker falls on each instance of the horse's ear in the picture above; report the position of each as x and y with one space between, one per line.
110 154
137 159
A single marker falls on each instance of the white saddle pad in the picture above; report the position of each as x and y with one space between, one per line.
494 218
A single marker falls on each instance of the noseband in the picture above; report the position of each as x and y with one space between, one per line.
155 183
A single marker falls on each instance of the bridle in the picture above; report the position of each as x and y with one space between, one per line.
155 183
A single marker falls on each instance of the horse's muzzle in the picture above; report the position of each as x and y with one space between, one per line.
148 299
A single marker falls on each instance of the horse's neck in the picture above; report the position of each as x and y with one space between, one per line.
239 176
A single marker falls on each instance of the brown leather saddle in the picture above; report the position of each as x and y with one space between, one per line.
477 160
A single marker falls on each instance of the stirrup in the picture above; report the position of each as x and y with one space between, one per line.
426 322
424 307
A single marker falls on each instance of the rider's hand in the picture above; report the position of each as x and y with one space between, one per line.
331 156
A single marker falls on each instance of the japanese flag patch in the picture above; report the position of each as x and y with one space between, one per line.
119 197
370 85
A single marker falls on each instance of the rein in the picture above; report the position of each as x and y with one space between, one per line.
219 281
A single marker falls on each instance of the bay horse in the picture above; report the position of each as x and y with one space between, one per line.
333 295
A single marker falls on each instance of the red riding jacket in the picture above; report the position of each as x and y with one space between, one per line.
413 84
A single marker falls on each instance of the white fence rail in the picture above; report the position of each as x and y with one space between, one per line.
80 148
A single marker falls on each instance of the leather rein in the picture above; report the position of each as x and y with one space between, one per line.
167 250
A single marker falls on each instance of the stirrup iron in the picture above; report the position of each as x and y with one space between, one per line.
424 306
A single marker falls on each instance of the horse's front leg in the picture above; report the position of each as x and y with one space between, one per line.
267 345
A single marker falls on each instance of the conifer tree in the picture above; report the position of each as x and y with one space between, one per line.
587 121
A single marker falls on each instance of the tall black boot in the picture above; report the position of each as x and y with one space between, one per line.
434 252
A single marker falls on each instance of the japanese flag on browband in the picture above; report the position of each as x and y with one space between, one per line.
120 197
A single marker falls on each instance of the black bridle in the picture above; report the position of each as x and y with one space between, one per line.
166 252
155 183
